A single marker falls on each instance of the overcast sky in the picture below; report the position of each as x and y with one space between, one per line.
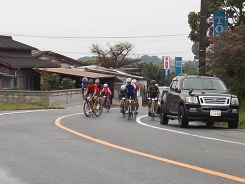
70 27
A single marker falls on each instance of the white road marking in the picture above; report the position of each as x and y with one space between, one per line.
138 120
22 112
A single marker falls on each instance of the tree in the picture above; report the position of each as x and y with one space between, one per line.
189 68
115 56
228 60
235 11
152 72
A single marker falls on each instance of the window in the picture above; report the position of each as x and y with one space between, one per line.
204 84
173 85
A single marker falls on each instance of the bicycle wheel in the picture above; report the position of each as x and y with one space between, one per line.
103 105
152 112
98 110
123 109
86 109
129 112
107 106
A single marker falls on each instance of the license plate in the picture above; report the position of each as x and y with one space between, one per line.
215 113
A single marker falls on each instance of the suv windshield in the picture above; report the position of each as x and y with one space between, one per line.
204 84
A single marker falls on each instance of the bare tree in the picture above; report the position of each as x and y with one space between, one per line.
115 56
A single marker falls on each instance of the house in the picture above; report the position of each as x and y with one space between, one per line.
17 63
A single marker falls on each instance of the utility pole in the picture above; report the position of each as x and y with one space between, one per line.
202 36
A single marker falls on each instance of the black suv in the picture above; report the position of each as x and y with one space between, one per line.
199 98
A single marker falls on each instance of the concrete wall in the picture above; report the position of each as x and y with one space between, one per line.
59 98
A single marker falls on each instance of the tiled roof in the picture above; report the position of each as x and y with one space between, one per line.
77 73
58 57
25 62
6 42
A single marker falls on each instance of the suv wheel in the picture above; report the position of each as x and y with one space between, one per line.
163 118
233 124
182 118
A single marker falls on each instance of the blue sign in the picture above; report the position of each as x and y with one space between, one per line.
220 22
166 72
178 65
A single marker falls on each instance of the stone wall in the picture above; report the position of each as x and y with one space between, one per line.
59 98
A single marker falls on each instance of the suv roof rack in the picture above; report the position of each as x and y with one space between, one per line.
208 75
183 74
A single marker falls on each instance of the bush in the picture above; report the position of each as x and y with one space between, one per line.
68 83
51 82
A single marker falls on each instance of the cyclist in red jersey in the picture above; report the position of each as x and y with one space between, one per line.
99 87
91 90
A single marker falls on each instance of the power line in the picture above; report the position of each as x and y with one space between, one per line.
97 37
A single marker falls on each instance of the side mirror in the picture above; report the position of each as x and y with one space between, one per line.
190 91
177 90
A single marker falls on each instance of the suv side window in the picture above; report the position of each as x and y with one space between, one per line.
173 85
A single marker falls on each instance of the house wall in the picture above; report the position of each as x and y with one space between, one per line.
59 98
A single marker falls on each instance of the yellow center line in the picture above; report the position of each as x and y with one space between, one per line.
203 170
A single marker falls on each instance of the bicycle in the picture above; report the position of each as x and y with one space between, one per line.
152 112
122 106
94 110
105 104
131 113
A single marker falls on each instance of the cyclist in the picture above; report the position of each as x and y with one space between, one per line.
107 93
137 92
122 94
98 91
153 92
84 84
130 93
91 90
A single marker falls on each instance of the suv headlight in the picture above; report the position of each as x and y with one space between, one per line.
234 101
191 99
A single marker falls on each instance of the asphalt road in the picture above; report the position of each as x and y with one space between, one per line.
65 147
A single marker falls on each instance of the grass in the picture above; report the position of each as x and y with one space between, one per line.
242 116
24 106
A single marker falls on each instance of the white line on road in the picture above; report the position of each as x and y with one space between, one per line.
22 112
138 120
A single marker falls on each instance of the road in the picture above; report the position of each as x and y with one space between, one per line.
64 147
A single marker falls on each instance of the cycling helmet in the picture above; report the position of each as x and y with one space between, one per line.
123 87
97 81
105 85
128 80
85 79
153 82
134 81
91 81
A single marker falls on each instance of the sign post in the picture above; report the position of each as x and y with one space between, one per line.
178 65
220 22
166 67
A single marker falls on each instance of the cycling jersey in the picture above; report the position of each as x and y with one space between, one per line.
106 91
98 89
130 88
153 92
91 88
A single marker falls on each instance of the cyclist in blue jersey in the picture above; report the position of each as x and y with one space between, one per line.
130 89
